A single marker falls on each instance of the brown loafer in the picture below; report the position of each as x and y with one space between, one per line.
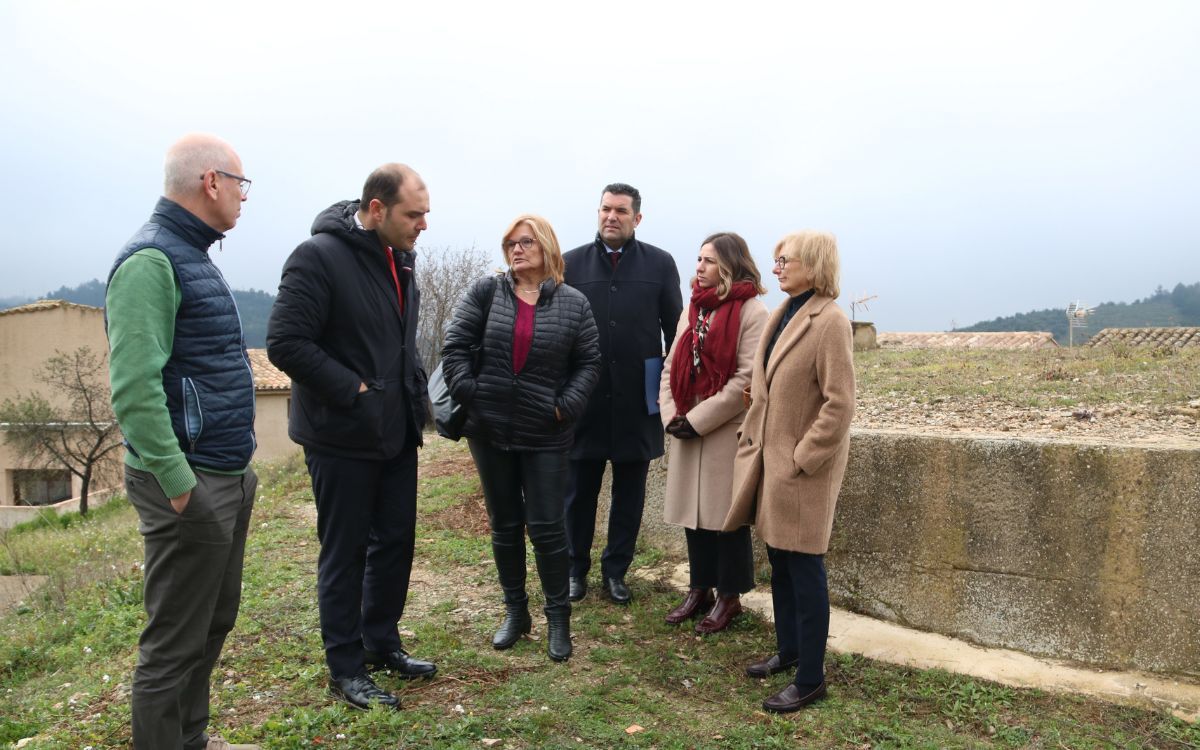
793 698
723 612
696 601
760 670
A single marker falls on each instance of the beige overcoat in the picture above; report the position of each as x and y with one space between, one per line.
795 439
700 470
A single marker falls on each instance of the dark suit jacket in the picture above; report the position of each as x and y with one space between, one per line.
636 308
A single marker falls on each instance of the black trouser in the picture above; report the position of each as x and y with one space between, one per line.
366 519
193 587
524 489
724 561
624 514
800 595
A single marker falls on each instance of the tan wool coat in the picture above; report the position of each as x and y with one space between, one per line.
795 439
700 470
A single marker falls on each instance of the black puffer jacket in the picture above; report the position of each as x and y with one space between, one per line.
337 323
515 411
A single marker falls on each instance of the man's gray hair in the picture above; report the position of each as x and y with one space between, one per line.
189 159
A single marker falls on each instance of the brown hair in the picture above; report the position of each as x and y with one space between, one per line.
734 262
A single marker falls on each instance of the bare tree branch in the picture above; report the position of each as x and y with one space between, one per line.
444 274
78 431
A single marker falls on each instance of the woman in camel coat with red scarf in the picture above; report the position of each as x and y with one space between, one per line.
792 452
700 397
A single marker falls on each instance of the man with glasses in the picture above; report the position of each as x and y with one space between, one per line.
183 393
633 289
344 329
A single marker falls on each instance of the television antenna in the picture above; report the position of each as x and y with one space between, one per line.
1077 315
861 302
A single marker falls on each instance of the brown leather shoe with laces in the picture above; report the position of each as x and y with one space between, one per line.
723 612
696 602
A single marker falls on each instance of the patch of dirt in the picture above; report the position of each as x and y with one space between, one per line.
446 463
469 515
16 588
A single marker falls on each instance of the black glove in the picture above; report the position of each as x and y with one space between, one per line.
681 428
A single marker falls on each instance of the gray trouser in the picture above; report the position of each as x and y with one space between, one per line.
193 585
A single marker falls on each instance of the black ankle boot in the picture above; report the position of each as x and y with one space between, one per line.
516 624
558 634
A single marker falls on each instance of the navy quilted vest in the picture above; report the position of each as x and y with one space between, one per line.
208 381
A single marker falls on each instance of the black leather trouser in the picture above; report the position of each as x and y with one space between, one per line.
525 490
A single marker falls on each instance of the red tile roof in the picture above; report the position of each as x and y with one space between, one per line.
967 340
1177 336
266 376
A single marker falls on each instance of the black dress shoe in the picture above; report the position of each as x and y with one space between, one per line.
398 661
767 667
362 693
578 588
617 590
793 698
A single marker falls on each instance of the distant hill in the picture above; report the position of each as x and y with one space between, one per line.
1178 307
253 305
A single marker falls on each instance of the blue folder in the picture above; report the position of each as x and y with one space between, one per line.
653 369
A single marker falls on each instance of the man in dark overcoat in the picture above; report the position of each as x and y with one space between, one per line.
344 329
634 292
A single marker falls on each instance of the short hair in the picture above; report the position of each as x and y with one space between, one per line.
620 188
189 159
734 262
384 185
818 252
546 239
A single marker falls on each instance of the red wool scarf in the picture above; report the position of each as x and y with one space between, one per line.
706 355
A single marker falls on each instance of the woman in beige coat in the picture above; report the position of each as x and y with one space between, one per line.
700 397
791 457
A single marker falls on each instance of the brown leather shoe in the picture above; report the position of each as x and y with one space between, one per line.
792 698
722 613
696 601
760 670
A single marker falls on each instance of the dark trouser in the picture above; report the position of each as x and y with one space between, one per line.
624 514
525 489
193 586
724 561
800 595
366 521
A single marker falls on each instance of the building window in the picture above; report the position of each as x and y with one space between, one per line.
40 486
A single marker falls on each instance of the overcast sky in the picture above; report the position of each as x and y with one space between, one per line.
974 159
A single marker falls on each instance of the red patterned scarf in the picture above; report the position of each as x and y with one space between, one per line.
706 354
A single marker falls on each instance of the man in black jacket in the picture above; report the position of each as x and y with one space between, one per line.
633 289
344 329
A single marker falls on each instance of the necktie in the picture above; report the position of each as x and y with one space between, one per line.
615 258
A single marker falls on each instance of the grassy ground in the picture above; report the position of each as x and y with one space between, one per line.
1047 378
67 653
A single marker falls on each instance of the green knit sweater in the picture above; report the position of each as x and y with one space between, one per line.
141 302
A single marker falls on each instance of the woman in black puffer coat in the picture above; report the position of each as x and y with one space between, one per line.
540 360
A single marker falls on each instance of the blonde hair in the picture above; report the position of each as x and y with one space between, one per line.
819 254
546 239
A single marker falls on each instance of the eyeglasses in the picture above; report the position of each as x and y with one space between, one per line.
782 261
243 183
524 242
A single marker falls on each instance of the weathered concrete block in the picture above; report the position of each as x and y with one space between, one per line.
1077 551
1074 551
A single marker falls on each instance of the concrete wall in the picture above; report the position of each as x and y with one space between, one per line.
270 426
28 339
1076 551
